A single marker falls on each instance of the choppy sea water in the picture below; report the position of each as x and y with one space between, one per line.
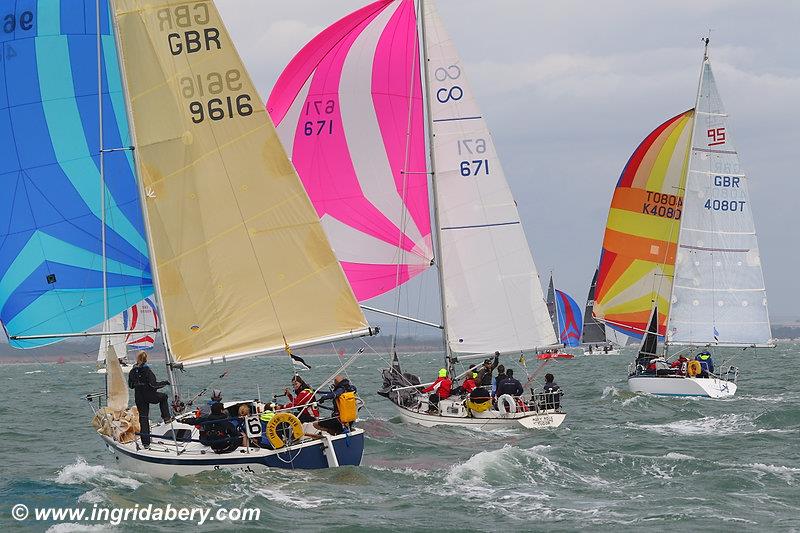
620 462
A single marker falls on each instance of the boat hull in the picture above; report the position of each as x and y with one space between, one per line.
490 419
163 461
682 386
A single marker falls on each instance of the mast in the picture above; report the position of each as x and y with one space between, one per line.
148 233
705 41
437 245
102 174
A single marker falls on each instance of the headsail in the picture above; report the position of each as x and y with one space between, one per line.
594 332
638 257
51 278
242 264
569 319
491 290
349 111
718 295
649 346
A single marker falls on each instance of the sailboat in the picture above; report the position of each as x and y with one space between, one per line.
351 109
598 338
680 260
140 322
144 167
565 316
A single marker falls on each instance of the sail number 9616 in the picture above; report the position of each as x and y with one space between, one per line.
213 84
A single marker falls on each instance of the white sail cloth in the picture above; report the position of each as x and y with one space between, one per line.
492 294
718 294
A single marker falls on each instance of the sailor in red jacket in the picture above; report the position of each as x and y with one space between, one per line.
305 395
469 383
439 389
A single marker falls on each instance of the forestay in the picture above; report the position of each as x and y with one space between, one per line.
638 258
718 295
51 254
349 111
242 264
492 293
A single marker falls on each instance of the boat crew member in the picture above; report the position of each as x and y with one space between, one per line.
341 386
143 381
469 383
303 395
501 375
439 389
552 393
680 364
485 373
267 415
217 430
216 397
706 363
510 385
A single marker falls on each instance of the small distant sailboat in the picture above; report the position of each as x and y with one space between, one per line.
565 316
596 337
680 260
350 109
140 324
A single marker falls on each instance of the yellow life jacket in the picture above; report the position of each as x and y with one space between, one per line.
347 406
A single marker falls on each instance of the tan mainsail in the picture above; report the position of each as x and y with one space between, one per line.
241 262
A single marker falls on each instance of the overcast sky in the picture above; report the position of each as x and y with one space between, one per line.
570 88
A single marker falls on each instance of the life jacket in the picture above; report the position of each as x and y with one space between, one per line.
347 407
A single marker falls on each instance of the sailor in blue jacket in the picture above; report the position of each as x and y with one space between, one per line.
706 363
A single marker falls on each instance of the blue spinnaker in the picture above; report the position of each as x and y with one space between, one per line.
569 318
51 274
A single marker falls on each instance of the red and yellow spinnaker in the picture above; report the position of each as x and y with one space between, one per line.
638 258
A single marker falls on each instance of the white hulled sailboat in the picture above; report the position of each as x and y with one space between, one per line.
351 110
681 250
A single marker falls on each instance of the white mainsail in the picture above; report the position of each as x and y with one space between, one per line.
492 295
718 294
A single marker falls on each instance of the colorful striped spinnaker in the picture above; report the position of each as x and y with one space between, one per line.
349 111
570 319
51 272
637 263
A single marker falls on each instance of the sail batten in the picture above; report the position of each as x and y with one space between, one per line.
242 262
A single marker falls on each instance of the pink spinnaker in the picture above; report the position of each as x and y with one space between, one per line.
349 111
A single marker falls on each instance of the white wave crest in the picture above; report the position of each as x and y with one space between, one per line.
708 425
81 472
787 473
292 501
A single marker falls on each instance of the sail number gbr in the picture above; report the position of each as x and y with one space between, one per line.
198 88
729 186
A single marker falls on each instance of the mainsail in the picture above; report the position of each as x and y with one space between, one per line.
491 290
569 319
552 308
349 111
718 296
594 332
51 208
638 258
241 262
